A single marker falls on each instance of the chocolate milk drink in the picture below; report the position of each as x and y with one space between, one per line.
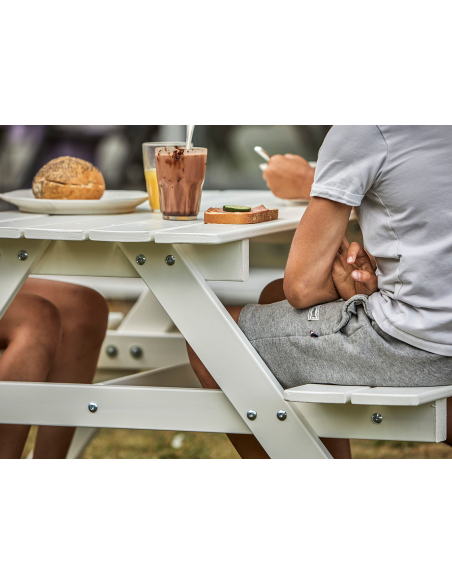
180 174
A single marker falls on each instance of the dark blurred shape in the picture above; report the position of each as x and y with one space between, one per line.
116 151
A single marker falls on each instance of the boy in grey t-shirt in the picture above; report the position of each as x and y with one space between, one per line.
395 326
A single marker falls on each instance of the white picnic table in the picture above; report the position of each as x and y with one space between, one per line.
176 261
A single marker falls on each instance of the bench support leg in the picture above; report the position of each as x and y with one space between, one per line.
224 349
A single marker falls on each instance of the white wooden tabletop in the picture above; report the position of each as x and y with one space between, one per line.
146 226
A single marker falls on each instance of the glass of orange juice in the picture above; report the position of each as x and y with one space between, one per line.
150 173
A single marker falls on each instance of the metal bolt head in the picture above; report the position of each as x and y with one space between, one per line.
22 255
136 352
281 415
112 351
251 414
377 418
92 407
170 260
141 259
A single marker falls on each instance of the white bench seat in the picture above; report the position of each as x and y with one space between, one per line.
364 395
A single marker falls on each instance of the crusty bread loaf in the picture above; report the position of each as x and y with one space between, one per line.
256 215
68 178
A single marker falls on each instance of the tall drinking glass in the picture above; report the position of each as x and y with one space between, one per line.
180 175
150 173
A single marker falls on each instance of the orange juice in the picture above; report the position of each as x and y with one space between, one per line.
152 187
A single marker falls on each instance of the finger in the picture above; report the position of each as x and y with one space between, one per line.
363 276
354 251
344 246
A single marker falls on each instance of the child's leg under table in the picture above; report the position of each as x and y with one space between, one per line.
84 318
30 334
51 332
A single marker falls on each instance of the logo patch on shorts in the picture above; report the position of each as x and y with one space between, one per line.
314 313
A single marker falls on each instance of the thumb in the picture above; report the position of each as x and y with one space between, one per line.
362 276
369 280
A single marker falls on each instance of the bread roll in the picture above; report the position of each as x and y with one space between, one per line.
257 215
68 178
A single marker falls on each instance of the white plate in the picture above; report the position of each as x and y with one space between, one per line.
111 202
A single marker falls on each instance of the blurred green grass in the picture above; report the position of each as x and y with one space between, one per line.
156 444
193 445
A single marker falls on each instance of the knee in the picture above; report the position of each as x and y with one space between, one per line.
88 315
40 325
273 292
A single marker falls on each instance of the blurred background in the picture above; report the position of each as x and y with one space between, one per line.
116 151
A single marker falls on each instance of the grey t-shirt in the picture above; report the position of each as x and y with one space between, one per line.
399 179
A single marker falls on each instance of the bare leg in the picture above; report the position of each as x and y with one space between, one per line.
84 316
338 447
30 333
247 445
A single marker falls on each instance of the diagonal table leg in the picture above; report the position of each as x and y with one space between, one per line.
224 349
13 270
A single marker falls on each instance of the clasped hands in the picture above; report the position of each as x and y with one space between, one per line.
354 271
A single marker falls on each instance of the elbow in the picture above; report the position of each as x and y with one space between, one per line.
296 294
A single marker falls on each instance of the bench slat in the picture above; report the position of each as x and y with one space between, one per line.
364 395
322 394
400 396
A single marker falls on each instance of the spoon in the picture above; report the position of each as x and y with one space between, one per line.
190 130
261 152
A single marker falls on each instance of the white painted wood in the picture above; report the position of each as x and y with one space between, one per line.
160 349
115 319
137 230
146 315
14 272
400 396
101 258
188 409
391 396
180 375
425 423
78 227
229 261
323 394
200 233
226 352
83 258
152 408
440 420
13 223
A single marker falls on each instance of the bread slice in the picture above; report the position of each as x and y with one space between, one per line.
256 215
68 178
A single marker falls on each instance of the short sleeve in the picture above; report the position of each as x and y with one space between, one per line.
350 161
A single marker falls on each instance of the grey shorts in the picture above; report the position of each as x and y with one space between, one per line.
338 343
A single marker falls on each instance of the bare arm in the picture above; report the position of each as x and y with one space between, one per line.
307 279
